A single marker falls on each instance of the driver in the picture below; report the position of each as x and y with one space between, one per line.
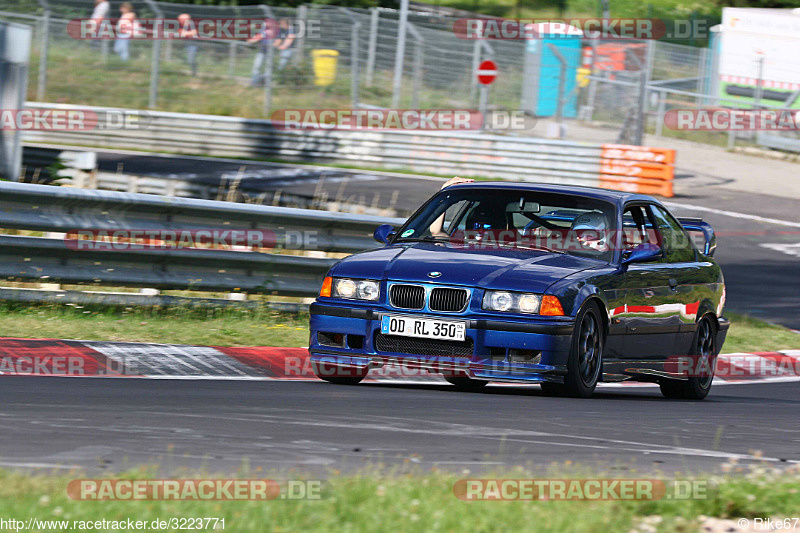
486 216
590 230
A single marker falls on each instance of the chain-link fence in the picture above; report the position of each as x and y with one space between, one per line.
217 76
343 58
635 86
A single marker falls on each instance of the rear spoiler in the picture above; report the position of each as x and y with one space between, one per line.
698 225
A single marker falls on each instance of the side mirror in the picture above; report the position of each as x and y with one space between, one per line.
642 254
383 233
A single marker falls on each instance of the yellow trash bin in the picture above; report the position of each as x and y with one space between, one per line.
324 62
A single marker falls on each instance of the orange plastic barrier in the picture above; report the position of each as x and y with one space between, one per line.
641 169
614 56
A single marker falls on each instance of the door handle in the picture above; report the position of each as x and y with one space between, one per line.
673 284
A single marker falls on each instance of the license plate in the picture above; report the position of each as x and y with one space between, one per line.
426 328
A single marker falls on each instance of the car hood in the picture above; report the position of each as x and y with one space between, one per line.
527 270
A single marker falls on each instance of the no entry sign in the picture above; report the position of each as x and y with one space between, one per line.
487 72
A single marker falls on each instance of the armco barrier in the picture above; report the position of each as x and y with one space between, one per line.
631 168
61 209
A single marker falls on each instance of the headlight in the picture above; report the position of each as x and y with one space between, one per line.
500 301
368 290
529 303
345 288
511 301
356 289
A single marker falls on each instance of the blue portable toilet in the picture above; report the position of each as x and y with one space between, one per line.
542 68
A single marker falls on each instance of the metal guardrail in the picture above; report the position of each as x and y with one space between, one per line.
779 142
471 154
132 299
61 209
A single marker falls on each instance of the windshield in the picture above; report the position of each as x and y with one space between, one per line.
497 218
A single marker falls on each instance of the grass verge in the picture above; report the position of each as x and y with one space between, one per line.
263 327
748 334
369 501
212 327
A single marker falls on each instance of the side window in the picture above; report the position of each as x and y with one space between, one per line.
635 230
450 216
676 243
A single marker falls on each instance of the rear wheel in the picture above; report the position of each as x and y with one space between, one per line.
585 361
704 352
340 375
465 383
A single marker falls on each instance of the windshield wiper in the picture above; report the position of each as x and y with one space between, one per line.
533 247
429 238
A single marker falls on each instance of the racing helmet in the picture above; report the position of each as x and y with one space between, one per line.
590 230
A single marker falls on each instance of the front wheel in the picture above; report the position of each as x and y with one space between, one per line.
585 361
704 352
340 375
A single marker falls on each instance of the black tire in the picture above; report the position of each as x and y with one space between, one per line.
325 374
585 363
465 383
672 388
704 347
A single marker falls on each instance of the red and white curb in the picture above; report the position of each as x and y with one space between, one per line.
75 358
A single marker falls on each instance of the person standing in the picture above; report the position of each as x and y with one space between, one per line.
99 14
285 42
188 31
264 40
125 29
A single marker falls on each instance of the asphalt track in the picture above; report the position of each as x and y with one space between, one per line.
112 424
316 428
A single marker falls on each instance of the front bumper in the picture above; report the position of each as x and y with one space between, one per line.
517 349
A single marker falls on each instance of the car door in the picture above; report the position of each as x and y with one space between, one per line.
684 277
650 308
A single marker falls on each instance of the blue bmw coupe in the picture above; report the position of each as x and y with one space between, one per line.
563 286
